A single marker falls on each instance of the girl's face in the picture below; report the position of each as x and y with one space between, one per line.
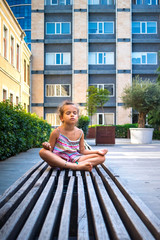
70 114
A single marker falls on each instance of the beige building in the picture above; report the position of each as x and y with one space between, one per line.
14 59
102 43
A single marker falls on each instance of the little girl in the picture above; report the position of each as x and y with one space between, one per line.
65 148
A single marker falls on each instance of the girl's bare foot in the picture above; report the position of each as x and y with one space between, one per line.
102 152
86 166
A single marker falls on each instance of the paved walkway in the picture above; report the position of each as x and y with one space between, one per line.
137 165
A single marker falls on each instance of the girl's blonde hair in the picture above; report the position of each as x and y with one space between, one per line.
61 107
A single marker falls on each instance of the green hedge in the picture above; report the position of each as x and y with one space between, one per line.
122 131
20 131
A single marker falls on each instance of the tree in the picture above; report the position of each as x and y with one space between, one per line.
96 98
143 96
158 70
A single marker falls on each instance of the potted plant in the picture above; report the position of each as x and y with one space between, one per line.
143 96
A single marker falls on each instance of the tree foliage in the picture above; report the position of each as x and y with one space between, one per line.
143 96
96 98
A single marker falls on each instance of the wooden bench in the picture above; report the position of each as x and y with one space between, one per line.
50 204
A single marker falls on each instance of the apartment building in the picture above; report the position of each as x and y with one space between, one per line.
104 43
14 59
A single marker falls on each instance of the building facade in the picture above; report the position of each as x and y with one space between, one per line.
22 11
104 43
14 59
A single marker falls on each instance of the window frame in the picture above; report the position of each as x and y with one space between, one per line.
102 27
17 57
141 22
144 54
103 118
148 4
6 90
60 28
102 84
25 71
5 41
55 56
55 94
55 118
97 57
12 50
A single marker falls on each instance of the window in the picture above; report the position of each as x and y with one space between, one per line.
25 71
97 2
147 2
108 86
144 27
103 118
25 106
17 100
58 59
58 28
5 42
101 27
93 2
4 94
144 58
12 50
53 119
17 57
65 2
101 58
11 97
28 75
55 2
58 90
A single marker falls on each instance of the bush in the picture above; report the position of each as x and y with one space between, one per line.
20 131
122 131
83 123
156 135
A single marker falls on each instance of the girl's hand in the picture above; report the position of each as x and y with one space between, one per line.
46 145
102 152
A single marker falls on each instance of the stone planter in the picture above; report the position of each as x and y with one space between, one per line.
105 135
91 132
141 135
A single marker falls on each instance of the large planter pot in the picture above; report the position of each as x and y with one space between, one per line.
141 135
105 135
91 132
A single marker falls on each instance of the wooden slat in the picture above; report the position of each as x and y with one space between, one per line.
37 215
66 213
147 216
14 201
131 220
83 233
114 222
98 221
14 224
50 221
17 185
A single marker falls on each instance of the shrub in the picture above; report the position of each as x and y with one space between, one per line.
83 123
20 131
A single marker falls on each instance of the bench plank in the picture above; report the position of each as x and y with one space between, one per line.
83 233
66 213
99 224
147 216
113 220
133 223
50 221
14 201
14 224
38 212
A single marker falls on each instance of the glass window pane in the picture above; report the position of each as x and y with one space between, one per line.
54 2
100 118
147 2
135 27
57 90
100 28
92 27
104 2
143 27
58 55
57 28
136 58
151 58
100 58
92 58
108 27
58 122
151 27
154 2
109 118
144 59
50 28
109 58
66 59
52 90
139 2
109 87
50 58
65 90
65 28
62 2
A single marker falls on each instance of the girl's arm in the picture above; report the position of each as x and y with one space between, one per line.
52 140
86 152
